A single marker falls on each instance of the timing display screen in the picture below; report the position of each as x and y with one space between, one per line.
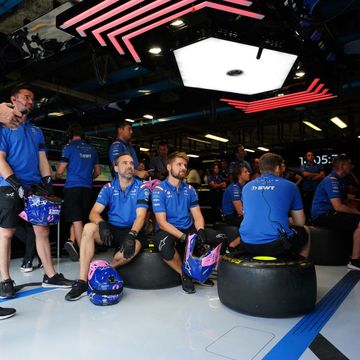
323 159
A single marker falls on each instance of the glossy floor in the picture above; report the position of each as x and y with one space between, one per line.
158 324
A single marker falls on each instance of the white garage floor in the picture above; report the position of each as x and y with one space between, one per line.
162 324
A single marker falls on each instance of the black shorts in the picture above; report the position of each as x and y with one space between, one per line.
278 248
340 221
120 233
77 204
233 219
10 207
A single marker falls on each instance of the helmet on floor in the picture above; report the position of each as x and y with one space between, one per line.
41 209
199 267
105 286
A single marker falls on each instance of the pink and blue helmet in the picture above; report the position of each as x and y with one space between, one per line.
199 268
105 286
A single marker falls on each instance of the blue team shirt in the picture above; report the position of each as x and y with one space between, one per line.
22 146
331 187
217 179
118 147
267 201
310 185
81 158
123 205
176 203
232 193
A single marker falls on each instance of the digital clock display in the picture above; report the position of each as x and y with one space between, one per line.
323 159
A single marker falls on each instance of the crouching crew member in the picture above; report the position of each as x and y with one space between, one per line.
175 204
127 199
267 202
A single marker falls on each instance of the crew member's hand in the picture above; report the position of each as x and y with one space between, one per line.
202 236
128 246
9 117
48 184
15 183
106 235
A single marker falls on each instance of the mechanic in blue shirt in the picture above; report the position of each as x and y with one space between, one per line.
178 213
239 155
312 174
23 163
267 202
123 144
232 201
127 199
331 209
81 161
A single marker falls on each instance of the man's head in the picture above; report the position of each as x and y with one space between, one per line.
75 130
224 164
163 149
309 157
240 174
216 169
270 164
342 165
22 98
239 152
124 166
124 131
177 163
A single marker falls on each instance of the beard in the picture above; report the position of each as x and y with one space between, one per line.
180 175
128 174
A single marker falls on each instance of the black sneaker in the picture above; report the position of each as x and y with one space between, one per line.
70 248
6 313
354 264
7 289
78 290
206 283
26 267
187 284
57 281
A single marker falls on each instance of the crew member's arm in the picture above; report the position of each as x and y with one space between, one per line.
238 207
139 220
166 226
95 213
319 176
60 170
339 206
141 174
199 221
5 169
44 165
9 117
298 217
96 171
298 179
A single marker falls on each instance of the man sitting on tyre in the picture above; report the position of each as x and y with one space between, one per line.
127 199
267 201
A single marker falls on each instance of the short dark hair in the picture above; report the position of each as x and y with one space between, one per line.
76 130
340 159
117 157
268 162
237 170
15 90
179 154
236 148
162 143
122 124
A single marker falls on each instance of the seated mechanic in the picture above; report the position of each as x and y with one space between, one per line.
127 199
267 201
331 209
177 212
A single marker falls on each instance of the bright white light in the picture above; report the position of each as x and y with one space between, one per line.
217 138
177 23
308 123
148 116
199 140
338 122
300 73
155 50
144 91
144 149
192 155
263 148
205 65
55 114
249 150
130 120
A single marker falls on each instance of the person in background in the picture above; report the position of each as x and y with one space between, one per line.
239 158
224 170
217 185
82 163
123 144
255 168
312 174
331 208
158 163
290 175
193 177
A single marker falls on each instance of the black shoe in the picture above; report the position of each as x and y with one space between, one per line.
187 284
70 248
354 264
6 313
77 291
26 267
206 283
7 289
57 281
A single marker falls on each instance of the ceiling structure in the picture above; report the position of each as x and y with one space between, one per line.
89 60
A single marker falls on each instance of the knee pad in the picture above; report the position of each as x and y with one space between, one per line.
215 238
166 245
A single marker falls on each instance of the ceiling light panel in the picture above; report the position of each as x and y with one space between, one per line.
205 65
